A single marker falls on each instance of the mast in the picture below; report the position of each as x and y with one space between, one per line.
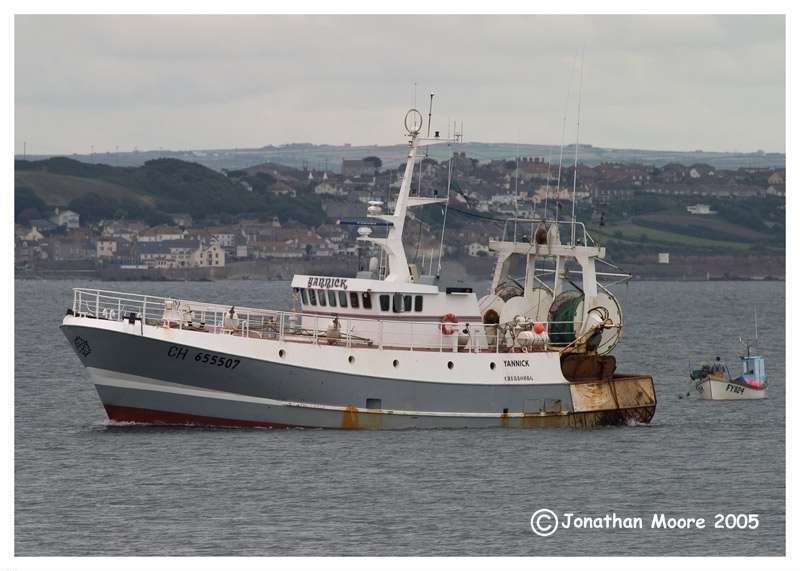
561 157
430 112
392 244
444 216
755 319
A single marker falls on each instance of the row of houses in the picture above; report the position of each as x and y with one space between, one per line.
78 246
125 242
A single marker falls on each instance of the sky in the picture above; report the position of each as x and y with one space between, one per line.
715 83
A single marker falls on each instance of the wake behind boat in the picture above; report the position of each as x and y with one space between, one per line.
388 349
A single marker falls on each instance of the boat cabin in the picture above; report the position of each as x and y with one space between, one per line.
359 304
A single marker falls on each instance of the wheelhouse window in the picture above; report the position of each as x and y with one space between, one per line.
342 298
406 303
397 303
332 297
366 300
354 299
384 301
304 296
321 297
312 297
417 303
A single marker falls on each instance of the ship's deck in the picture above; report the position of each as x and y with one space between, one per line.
291 326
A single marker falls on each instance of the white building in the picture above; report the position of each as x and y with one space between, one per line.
106 248
181 254
33 235
211 256
161 234
701 209
775 178
182 219
476 248
326 188
68 218
498 199
224 239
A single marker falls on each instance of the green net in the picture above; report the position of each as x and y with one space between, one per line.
561 327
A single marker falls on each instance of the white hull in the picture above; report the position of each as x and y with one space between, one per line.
710 389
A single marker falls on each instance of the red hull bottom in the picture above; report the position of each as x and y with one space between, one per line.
147 416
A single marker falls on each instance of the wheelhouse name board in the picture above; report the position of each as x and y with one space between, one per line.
327 283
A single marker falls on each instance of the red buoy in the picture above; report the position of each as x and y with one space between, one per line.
538 328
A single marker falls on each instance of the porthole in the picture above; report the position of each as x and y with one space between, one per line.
449 364
351 359
282 353
492 365
396 363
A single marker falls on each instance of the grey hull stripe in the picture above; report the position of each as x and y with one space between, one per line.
109 379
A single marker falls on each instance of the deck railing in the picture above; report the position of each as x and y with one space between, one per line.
140 310
518 229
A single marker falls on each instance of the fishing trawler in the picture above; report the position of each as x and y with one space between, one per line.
390 348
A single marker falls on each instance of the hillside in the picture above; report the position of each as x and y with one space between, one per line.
750 226
60 189
635 222
150 192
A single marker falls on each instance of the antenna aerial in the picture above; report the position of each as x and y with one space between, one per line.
755 319
577 144
444 215
563 133
516 190
430 112
546 188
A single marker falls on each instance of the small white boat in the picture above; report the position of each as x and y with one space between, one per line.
715 382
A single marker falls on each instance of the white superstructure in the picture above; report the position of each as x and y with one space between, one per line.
389 348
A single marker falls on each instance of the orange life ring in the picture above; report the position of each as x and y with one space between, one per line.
448 318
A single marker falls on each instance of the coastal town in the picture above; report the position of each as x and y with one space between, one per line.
648 212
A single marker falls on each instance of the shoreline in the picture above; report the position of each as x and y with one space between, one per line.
94 277
456 270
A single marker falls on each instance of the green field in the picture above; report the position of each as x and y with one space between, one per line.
709 227
631 232
60 189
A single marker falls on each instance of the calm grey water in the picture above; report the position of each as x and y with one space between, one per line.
84 487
